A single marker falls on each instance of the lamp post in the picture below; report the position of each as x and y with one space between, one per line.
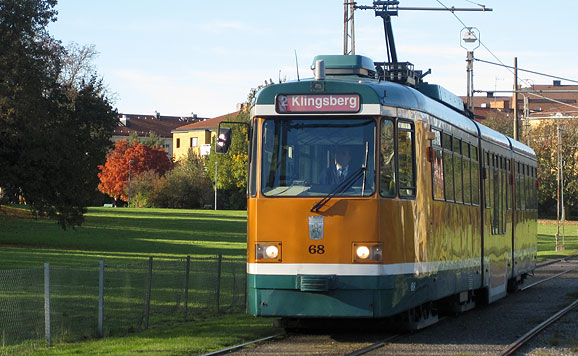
560 191
216 174
129 167
470 40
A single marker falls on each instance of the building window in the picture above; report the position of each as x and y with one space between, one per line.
178 142
194 141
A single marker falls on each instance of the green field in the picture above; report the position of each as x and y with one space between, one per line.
547 239
124 236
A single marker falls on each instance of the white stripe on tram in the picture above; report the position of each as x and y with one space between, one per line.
359 269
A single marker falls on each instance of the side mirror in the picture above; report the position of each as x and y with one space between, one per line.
223 142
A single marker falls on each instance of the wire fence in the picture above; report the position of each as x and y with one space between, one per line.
61 304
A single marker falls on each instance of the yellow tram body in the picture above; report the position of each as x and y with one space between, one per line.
442 208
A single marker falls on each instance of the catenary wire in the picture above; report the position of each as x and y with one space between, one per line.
502 63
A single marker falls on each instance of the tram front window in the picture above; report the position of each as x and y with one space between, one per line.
312 156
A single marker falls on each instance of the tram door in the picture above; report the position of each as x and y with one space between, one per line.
497 245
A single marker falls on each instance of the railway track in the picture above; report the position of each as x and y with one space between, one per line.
513 347
337 346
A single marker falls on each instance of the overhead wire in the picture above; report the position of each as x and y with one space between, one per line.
527 71
509 68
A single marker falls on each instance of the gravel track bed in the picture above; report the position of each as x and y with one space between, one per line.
489 329
306 345
484 331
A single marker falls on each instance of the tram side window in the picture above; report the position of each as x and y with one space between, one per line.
253 162
508 188
467 173
535 187
497 196
528 189
523 186
517 190
387 158
458 184
503 196
488 182
438 167
475 176
406 160
448 167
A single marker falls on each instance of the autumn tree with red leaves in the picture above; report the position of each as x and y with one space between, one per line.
114 174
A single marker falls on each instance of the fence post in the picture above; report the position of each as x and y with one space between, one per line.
148 293
101 299
218 298
187 275
47 331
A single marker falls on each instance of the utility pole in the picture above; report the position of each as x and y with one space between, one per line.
348 28
559 193
470 73
516 126
527 119
216 174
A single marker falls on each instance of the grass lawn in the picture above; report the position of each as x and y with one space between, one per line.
193 338
123 235
120 235
547 239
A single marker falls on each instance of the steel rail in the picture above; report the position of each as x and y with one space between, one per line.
555 261
375 346
530 334
549 278
237 347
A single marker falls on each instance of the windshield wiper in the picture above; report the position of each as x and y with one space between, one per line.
345 185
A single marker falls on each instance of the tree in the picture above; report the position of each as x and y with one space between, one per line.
500 122
77 65
544 140
187 186
151 140
133 160
52 135
232 167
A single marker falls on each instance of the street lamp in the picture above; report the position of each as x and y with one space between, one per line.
129 166
470 40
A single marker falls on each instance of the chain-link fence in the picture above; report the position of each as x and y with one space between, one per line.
56 304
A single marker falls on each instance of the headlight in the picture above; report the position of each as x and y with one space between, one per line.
362 252
370 252
268 252
271 251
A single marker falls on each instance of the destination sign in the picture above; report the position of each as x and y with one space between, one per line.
303 103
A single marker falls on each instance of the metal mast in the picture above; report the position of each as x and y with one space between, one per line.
388 8
348 28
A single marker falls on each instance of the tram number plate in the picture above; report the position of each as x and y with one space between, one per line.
316 249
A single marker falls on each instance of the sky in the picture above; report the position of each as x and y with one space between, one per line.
180 57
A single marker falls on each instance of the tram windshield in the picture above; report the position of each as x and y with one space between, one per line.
313 156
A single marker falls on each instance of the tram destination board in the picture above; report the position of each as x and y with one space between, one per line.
318 103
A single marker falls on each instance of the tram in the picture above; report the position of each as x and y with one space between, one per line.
373 194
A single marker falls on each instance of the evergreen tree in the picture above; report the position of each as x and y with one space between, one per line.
52 134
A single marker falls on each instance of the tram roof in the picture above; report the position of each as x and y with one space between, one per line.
372 91
522 149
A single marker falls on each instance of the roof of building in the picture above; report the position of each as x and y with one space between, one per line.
144 124
207 124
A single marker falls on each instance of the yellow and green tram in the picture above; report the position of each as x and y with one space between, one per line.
433 209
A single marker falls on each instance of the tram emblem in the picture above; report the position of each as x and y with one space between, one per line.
316 227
